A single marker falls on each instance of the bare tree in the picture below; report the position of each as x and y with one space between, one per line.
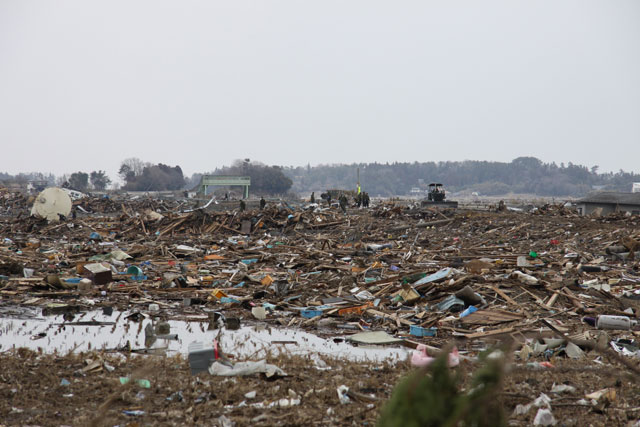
131 167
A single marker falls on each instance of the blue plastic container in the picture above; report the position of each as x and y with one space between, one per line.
419 331
468 311
309 314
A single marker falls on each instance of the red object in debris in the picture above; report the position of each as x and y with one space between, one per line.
364 324
555 242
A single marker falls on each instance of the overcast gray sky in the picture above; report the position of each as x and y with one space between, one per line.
86 84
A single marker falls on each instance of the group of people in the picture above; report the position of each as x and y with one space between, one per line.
362 199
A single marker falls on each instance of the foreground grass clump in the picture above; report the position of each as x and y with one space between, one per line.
432 397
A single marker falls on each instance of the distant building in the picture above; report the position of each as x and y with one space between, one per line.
607 202
635 188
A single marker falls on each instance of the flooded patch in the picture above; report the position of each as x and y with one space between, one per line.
96 330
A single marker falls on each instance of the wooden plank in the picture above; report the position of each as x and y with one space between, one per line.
489 333
572 297
553 299
504 296
534 296
390 317
421 225
491 317
326 224
174 225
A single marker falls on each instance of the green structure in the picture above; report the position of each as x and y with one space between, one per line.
224 181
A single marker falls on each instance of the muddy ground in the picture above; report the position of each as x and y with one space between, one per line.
32 392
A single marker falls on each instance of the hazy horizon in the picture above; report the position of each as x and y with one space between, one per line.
86 85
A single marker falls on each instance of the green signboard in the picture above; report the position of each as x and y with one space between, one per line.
224 181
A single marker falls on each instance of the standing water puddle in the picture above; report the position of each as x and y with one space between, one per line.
52 334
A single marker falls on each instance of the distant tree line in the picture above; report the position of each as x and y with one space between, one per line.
523 175
82 181
265 180
23 178
141 176
138 175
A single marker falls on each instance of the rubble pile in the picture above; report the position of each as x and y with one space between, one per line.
563 292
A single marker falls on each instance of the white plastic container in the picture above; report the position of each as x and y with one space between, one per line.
85 285
622 323
525 278
259 313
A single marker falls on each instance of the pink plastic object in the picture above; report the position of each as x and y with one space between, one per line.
421 358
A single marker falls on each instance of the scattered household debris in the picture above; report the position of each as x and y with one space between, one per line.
561 288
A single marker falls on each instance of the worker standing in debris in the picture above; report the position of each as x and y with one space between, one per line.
263 203
365 199
243 206
343 203
313 197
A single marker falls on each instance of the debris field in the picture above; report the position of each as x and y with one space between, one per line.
557 293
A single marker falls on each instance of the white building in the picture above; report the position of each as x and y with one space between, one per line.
635 188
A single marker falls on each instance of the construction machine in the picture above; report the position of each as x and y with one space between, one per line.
436 197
